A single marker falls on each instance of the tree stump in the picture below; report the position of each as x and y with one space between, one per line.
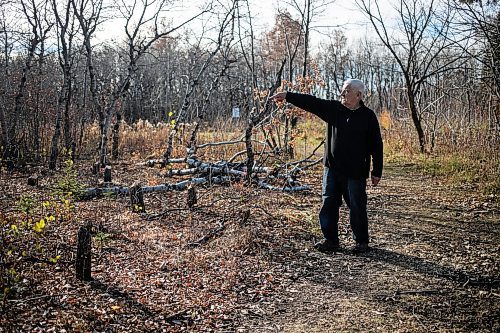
33 180
137 198
95 168
84 254
191 197
107 174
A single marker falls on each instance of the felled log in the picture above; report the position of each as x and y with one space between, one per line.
153 162
182 185
266 186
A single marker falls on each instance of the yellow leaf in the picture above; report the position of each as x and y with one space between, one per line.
39 226
170 114
116 307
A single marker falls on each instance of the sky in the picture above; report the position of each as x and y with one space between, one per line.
342 14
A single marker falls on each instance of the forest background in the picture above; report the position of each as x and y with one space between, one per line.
431 73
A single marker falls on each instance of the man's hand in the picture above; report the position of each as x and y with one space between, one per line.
375 180
279 97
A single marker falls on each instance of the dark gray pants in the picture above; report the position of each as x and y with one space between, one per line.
336 186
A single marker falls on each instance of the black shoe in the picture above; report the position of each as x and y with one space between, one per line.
327 246
361 248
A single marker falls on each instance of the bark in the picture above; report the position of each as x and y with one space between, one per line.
116 136
104 137
54 146
67 122
416 119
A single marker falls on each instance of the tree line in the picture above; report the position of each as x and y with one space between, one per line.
437 71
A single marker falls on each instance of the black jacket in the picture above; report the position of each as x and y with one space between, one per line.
353 136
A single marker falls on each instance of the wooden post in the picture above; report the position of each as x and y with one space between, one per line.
137 198
107 174
84 254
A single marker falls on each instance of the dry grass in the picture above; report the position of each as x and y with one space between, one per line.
466 155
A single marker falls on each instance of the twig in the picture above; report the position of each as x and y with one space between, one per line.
265 211
208 236
417 292
39 297
150 217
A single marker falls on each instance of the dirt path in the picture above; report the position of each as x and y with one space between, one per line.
434 267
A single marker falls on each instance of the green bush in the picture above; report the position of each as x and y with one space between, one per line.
69 185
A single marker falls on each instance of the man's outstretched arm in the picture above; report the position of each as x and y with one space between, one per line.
325 109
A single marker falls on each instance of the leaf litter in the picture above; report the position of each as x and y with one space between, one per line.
242 260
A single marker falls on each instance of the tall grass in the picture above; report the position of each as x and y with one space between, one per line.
459 155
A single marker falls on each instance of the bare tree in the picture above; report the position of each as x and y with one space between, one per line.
227 22
308 10
424 41
7 46
35 13
66 32
143 29
481 19
88 14
286 37
243 34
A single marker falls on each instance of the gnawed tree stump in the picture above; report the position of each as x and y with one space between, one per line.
107 174
191 196
84 254
33 180
137 198
95 168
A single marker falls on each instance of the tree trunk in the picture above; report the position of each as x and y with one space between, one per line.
61 103
416 119
250 153
104 138
67 106
54 147
116 136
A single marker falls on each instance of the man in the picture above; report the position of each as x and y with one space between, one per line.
353 140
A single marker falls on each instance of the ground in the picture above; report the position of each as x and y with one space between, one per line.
242 260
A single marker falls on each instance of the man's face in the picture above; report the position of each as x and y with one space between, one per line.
350 97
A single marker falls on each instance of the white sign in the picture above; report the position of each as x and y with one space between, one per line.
236 112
